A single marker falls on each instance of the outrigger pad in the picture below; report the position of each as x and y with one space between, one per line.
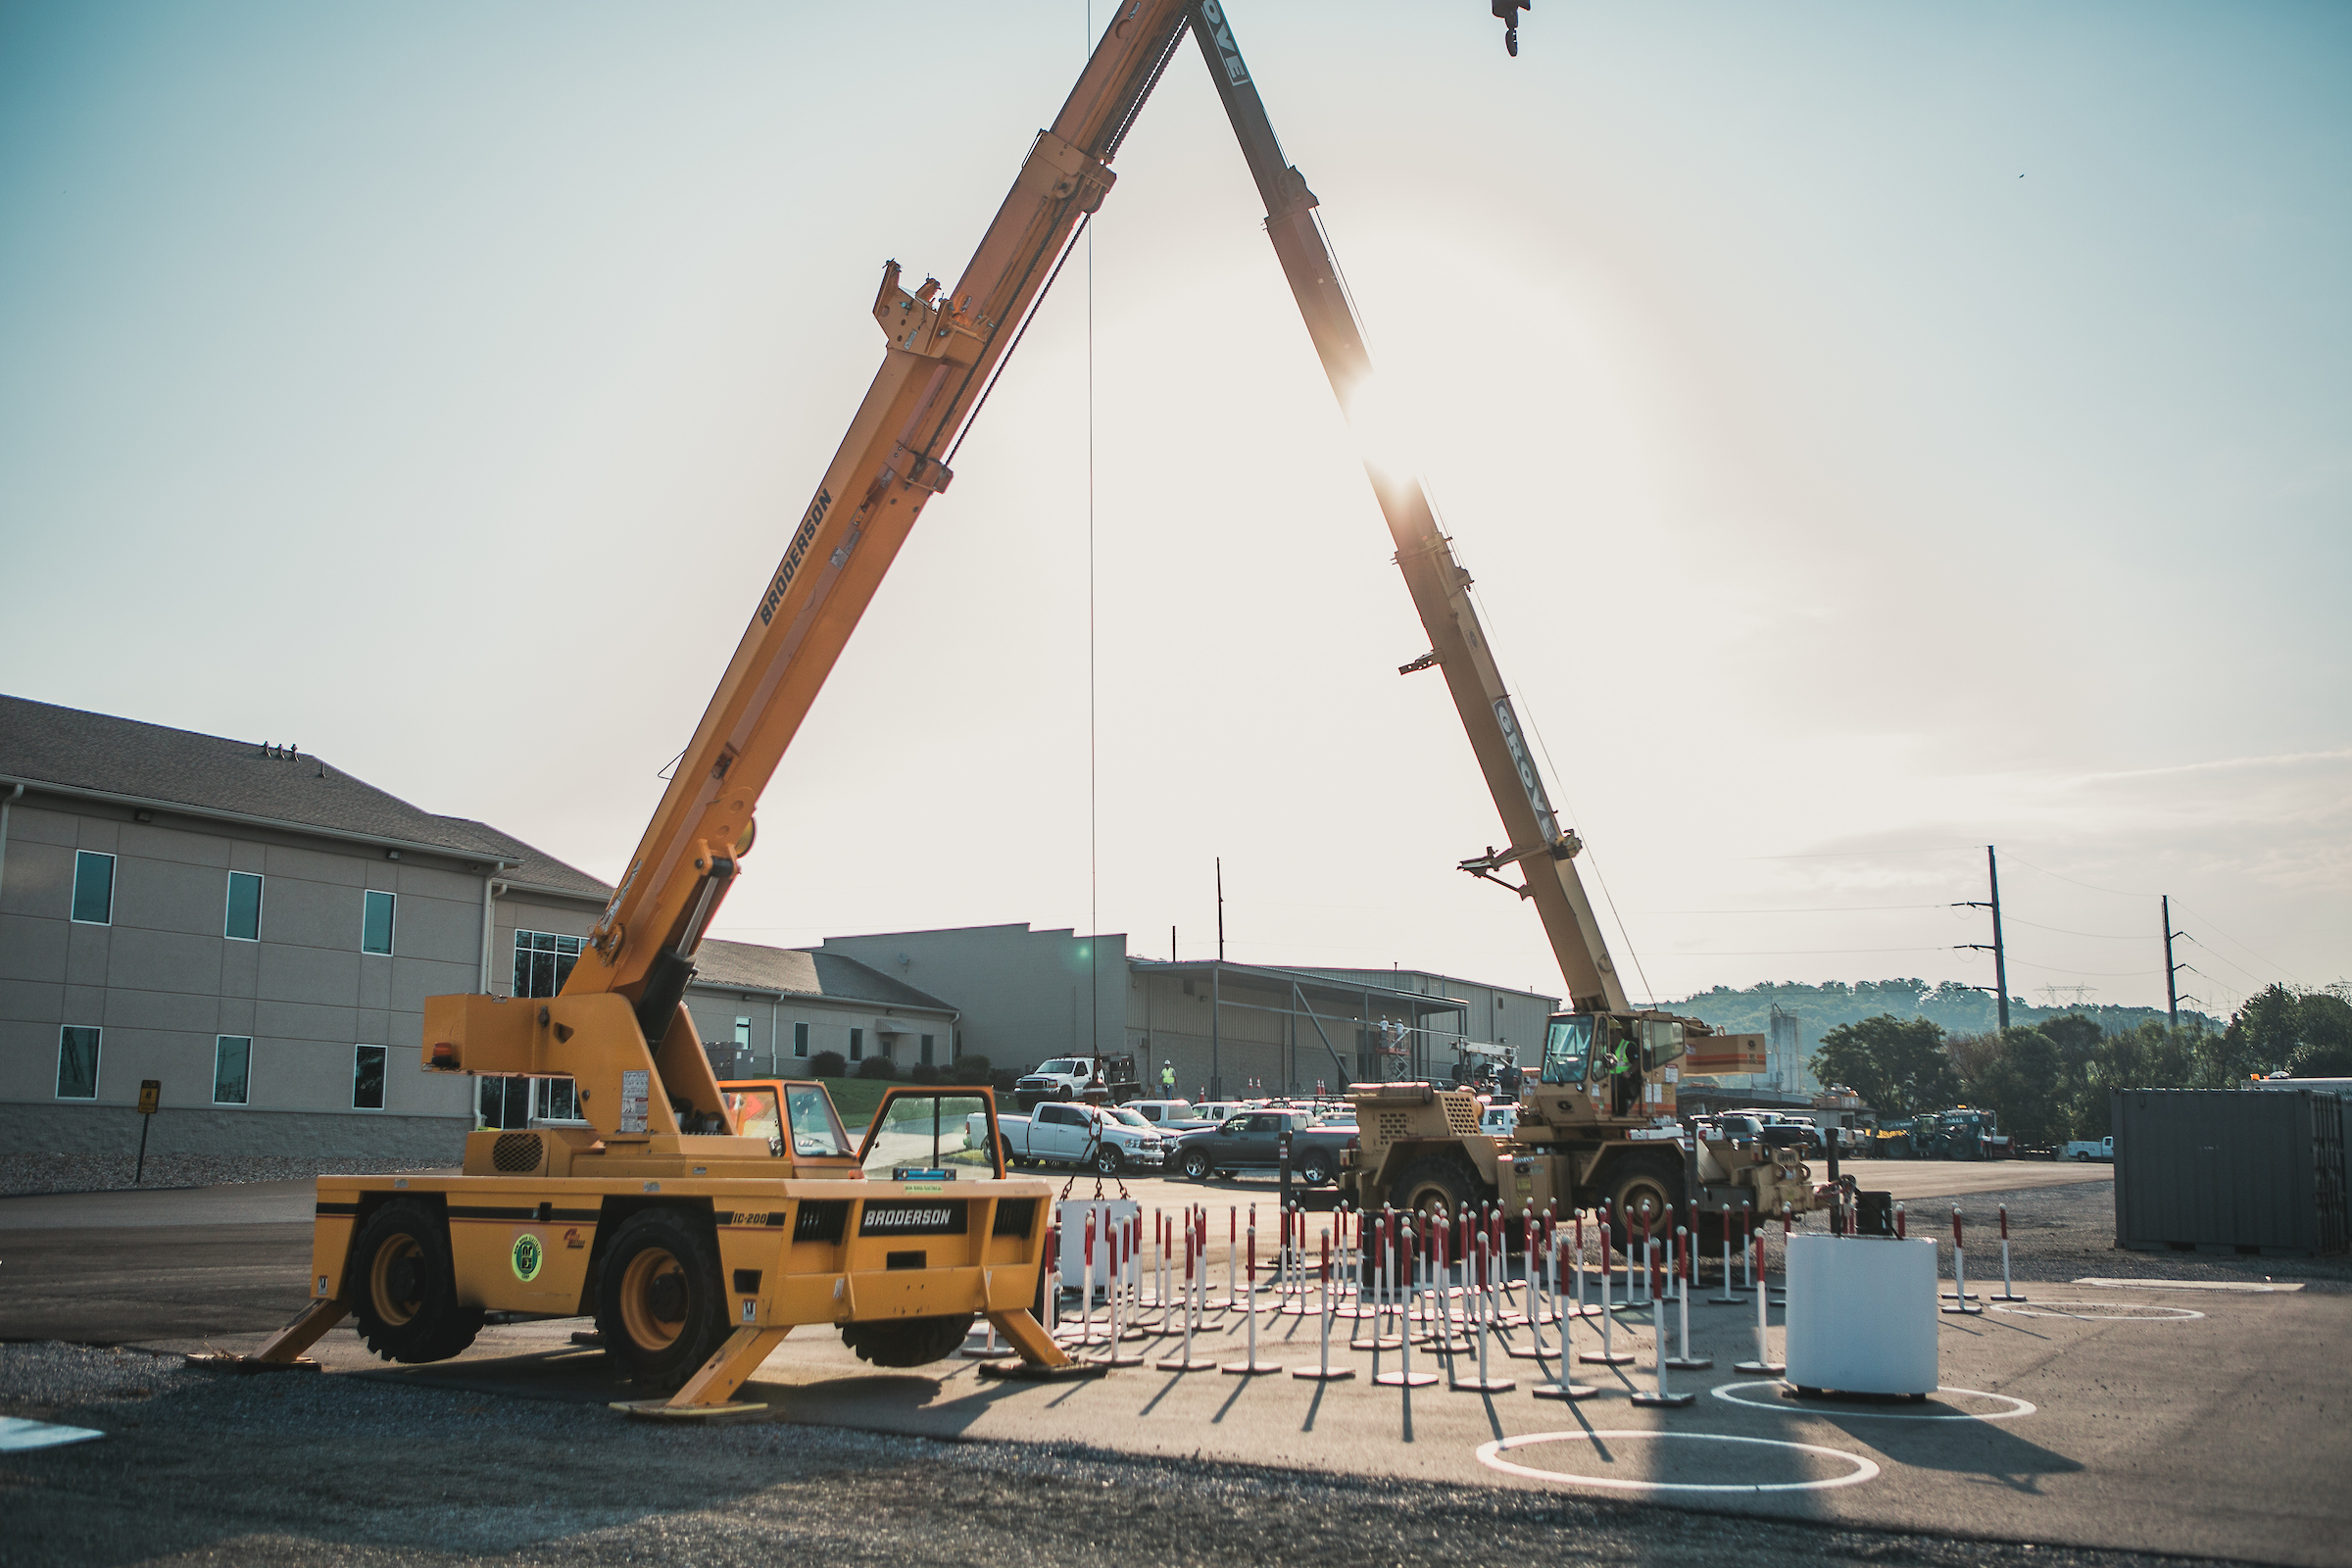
1023 1372
663 1410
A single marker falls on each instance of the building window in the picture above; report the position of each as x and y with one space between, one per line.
232 1061
367 1078
799 1040
244 922
857 1045
559 1099
743 1034
543 962
375 922
506 1102
927 1051
93 888
77 1062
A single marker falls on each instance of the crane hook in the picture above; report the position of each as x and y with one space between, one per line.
1507 13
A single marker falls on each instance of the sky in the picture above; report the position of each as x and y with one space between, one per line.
1877 431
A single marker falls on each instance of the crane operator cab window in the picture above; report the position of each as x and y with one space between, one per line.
1565 1043
815 1130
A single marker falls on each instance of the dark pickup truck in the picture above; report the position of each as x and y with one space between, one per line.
1251 1140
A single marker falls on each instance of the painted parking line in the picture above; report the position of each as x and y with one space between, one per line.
2103 1311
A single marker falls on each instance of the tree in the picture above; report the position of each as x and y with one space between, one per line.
1898 1065
2309 1033
2024 1086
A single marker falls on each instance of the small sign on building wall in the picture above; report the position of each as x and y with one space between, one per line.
151 1095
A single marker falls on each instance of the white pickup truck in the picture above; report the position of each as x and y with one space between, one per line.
1068 1133
2089 1148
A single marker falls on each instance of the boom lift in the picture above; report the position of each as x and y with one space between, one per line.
1599 1123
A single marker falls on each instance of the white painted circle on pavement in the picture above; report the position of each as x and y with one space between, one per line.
1490 1455
2104 1312
1727 1391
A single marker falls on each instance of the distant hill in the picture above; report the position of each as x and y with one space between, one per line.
1822 1007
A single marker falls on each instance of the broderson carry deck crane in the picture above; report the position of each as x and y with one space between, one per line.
698 1248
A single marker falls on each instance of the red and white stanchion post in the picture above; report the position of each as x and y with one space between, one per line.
1608 1354
1483 1383
1405 1377
1686 1244
1660 1396
1565 1386
1052 1278
1126 1292
1183 1362
2008 1290
1727 1295
1959 1292
1763 1365
1533 1349
1250 1366
1323 1371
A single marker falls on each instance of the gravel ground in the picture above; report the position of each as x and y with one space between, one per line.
207 1467
107 1173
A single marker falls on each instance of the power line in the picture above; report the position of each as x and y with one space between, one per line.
1818 909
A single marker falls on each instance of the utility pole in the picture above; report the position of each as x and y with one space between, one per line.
2000 955
2171 992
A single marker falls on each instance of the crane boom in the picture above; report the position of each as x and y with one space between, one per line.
943 347
1540 845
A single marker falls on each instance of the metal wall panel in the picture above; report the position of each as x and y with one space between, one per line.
2215 1168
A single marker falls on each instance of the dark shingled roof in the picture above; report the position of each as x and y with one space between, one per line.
97 754
804 974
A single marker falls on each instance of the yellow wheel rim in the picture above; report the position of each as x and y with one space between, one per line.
390 1306
638 1283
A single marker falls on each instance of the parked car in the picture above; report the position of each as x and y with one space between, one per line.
1073 1134
1170 1116
2089 1148
1252 1141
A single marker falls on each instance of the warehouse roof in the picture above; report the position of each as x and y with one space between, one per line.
801 973
102 756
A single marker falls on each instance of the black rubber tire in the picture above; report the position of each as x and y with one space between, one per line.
907 1341
1011 1161
403 1288
1060 1093
635 1305
1315 1169
1196 1165
1435 1180
1108 1161
1634 1177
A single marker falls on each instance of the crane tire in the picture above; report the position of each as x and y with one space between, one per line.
1435 1180
404 1285
659 1302
907 1341
1632 1179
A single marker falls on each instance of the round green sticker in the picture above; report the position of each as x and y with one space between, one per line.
528 1255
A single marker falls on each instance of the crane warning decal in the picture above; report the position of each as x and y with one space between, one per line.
1222 36
795 554
912 1219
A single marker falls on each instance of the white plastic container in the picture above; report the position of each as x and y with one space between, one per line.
1108 1212
1862 1314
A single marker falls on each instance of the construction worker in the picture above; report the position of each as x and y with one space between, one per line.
1621 1072
1168 1079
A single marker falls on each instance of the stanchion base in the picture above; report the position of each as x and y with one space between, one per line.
1961 1311
1671 1400
1317 1374
1295 1310
1405 1380
1574 1390
1758 1369
1023 1372
2008 1297
1135 1332
706 1414
1689 1363
1384 1344
1950 1295
1125 1358
1179 1364
1483 1385
1728 1301
1596 1358
1248 1369
1529 1352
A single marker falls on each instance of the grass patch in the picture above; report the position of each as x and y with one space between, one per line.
855 1098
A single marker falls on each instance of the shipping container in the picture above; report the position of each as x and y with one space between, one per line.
2228 1170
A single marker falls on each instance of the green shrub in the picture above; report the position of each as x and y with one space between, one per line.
827 1065
876 1067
